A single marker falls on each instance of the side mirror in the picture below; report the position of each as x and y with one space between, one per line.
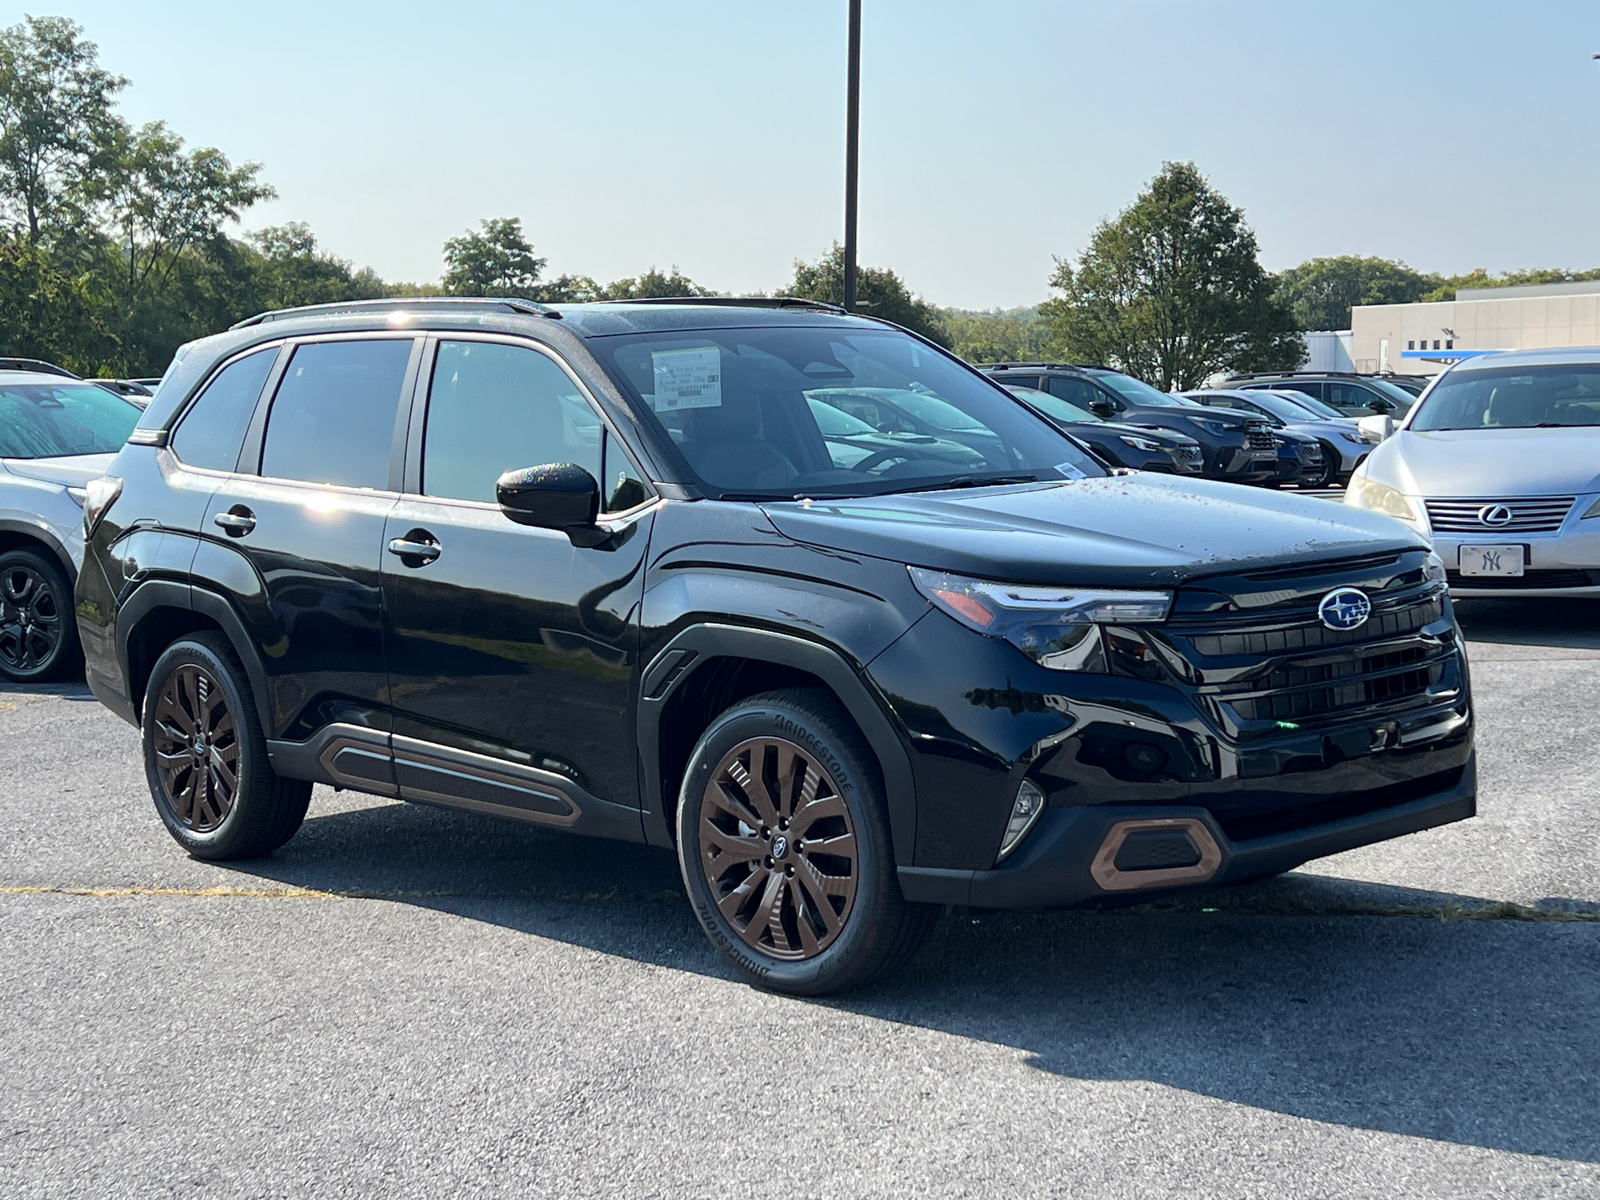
1379 404
1103 409
553 496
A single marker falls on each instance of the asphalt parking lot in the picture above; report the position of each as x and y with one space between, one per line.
406 1001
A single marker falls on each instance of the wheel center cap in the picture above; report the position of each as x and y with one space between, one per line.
780 847
199 748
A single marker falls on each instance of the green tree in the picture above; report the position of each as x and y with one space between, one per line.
879 293
1445 286
294 272
57 126
655 283
1321 291
1013 335
1172 291
496 261
164 201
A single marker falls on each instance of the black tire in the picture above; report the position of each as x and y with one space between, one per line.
1331 462
38 628
874 930
201 727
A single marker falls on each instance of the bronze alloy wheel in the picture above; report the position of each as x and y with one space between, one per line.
778 849
31 618
196 749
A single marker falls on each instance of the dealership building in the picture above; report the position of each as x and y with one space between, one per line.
1421 339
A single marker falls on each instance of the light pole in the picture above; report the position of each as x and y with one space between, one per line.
852 147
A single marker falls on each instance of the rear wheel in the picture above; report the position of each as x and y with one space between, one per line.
206 757
783 840
38 635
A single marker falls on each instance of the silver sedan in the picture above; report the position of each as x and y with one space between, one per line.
56 436
1499 463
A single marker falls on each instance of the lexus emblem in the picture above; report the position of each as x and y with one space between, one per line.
1494 515
1344 608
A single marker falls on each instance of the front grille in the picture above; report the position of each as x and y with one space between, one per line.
1305 672
1310 452
1260 438
1314 635
1189 456
1526 581
1538 514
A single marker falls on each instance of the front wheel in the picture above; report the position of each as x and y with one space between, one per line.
783 840
38 633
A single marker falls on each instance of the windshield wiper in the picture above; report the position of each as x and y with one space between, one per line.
965 481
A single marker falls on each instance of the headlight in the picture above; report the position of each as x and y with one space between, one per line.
1433 571
1365 493
1148 445
1057 627
1360 437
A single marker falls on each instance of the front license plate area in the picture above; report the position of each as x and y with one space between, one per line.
1491 560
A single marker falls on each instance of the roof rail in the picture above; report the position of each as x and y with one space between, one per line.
36 365
736 302
1024 366
403 303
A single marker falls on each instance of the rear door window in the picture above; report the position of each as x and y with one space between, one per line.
333 418
213 429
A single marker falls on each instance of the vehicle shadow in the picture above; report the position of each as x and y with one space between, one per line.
1532 621
1479 1032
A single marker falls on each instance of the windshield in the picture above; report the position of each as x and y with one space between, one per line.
1544 397
1398 394
1054 406
1310 403
46 420
750 413
1137 391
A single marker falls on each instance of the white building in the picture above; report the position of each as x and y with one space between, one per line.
1418 339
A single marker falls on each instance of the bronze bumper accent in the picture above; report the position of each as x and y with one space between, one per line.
1112 878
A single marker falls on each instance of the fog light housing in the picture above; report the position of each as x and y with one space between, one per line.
1025 810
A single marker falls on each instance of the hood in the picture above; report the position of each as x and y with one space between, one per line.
1225 417
1346 426
1164 436
73 471
1490 462
1122 530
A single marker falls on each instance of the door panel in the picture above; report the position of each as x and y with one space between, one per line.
516 645
305 575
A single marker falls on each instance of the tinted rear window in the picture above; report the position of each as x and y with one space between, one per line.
213 429
333 417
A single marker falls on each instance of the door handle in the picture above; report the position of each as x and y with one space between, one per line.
416 549
237 521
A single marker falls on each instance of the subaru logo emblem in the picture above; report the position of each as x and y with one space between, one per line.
1344 608
1494 514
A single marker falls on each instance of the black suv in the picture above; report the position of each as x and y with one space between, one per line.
1353 395
597 567
1237 447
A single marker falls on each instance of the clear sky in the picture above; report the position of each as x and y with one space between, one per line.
709 133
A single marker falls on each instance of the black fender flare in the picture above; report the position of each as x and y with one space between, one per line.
167 593
673 663
40 534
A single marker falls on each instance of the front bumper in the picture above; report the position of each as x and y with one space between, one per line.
1566 563
1241 464
1056 866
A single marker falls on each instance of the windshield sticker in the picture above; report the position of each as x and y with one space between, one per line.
687 378
1071 472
